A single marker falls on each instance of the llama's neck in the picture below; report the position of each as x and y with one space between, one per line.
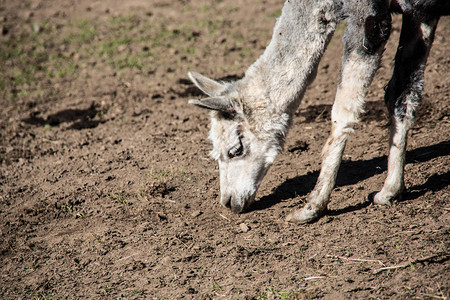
289 64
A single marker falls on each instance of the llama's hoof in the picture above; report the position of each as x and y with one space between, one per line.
303 216
381 198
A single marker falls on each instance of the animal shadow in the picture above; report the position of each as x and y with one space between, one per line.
80 118
352 172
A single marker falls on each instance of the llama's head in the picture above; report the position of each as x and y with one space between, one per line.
246 134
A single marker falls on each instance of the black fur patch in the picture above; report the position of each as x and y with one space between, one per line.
406 85
376 32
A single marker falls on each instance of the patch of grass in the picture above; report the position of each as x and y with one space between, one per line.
30 57
205 8
275 14
127 62
233 8
31 60
125 22
106 290
275 293
85 32
43 297
119 197
260 296
142 195
161 183
60 67
216 287
137 292
67 208
341 27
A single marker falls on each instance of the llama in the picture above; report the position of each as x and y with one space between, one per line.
251 116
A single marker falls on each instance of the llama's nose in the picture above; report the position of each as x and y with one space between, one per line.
237 206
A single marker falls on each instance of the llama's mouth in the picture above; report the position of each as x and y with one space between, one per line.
237 204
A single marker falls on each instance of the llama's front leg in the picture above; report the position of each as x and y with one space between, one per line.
357 73
361 59
402 97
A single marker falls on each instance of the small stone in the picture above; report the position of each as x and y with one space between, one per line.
196 213
36 28
244 227
166 260
162 217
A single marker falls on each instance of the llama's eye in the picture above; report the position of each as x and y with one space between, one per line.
236 151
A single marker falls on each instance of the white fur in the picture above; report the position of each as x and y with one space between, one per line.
266 98
256 111
394 184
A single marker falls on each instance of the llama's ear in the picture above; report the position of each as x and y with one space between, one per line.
208 86
221 104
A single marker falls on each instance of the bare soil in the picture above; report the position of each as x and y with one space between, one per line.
107 189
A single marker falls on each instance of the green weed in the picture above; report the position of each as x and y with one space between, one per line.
119 197
275 14
216 287
85 32
67 208
104 290
42 297
137 292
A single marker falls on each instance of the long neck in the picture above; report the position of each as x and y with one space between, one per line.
289 63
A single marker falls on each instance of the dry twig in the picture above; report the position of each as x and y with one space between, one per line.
225 217
356 259
443 255
313 277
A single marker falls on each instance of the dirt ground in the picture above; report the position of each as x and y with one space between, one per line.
106 186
